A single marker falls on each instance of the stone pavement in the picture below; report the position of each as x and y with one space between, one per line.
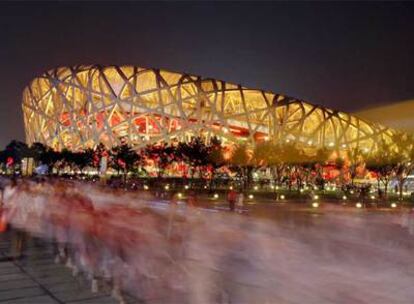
35 278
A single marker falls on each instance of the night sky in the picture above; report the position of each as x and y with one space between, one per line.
345 56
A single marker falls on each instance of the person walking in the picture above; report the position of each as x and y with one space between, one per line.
240 202
231 198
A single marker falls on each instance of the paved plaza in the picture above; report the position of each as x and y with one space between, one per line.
326 255
35 278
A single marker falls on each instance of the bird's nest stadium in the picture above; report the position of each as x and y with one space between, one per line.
82 106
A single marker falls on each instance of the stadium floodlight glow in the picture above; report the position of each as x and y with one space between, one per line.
81 106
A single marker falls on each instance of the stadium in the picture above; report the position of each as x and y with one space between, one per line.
82 106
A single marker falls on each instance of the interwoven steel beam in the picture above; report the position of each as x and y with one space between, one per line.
81 106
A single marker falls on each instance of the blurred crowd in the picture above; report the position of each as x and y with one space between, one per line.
134 243
129 241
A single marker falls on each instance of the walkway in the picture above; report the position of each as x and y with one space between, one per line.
37 279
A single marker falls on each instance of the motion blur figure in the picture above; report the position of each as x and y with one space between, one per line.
161 252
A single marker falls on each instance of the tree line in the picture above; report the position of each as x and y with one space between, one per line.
284 163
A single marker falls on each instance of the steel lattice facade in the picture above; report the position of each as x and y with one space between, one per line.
81 106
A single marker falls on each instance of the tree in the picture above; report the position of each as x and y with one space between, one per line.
38 150
195 153
271 155
405 150
384 162
295 158
162 155
14 153
123 158
67 159
215 158
355 158
243 162
340 166
50 158
83 159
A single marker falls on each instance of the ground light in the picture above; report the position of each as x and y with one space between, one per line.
216 196
372 197
301 190
282 197
256 188
315 205
344 197
180 195
358 205
186 187
231 187
393 205
167 187
251 196
315 197
146 187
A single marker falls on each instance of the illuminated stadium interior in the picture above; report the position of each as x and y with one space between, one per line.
81 106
